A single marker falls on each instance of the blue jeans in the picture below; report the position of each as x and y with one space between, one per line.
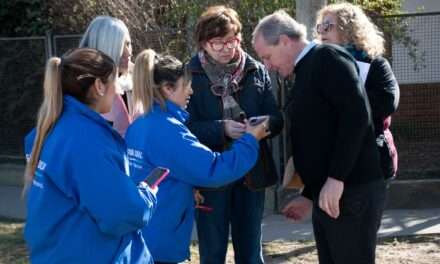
243 209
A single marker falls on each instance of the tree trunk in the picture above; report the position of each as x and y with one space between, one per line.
306 13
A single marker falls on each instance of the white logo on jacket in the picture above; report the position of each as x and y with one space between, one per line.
38 177
135 158
41 165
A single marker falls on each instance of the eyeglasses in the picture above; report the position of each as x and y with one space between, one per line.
324 27
218 45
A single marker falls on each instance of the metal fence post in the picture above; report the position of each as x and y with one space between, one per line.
49 44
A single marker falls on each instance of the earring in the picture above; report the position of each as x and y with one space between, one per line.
101 94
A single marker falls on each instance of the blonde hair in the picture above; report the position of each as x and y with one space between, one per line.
356 28
151 73
72 75
48 114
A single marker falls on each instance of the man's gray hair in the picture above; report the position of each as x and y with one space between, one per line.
279 23
106 34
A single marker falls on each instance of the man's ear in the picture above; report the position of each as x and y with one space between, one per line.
99 87
284 39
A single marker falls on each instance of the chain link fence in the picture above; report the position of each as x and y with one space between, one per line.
416 64
21 72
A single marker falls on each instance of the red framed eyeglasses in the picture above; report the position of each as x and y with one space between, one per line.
218 45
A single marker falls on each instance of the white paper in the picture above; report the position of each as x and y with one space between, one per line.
363 70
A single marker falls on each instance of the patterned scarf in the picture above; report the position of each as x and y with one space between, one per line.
225 79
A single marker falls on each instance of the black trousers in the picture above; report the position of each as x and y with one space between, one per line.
352 237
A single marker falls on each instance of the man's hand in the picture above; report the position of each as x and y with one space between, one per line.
298 209
234 129
330 196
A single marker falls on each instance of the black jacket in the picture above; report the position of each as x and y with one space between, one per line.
332 131
382 90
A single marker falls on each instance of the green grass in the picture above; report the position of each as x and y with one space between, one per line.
12 246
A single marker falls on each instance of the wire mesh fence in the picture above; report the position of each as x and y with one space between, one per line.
61 44
415 58
21 73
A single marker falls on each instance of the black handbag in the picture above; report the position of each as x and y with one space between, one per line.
264 174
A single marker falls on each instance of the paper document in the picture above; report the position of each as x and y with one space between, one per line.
363 70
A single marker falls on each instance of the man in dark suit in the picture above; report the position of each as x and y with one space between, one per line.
333 142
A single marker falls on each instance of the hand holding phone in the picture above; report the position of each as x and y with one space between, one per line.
259 127
256 120
156 176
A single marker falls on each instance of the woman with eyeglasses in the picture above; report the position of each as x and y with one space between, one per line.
347 25
230 86
159 138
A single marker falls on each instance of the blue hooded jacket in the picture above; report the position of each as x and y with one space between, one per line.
160 138
82 207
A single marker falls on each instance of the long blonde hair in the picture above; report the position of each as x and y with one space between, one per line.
355 27
73 75
151 73
48 114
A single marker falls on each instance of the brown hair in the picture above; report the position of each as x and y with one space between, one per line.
216 21
73 74
151 72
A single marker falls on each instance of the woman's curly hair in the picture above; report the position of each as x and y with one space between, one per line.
355 27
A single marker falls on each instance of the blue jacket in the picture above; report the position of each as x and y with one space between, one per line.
160 138
82 207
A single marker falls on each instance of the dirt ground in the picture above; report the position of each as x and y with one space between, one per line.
403 250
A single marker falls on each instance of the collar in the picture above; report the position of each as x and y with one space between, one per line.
196 67
305 50
173 110
71 104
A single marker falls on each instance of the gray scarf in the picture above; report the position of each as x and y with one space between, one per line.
225 79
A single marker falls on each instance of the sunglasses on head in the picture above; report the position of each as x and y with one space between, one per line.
324 27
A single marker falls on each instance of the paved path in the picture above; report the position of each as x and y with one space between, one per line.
394 222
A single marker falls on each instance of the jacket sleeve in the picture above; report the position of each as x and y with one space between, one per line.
348 100
210 132
105 192
382 89
307 193
193 163
270 107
